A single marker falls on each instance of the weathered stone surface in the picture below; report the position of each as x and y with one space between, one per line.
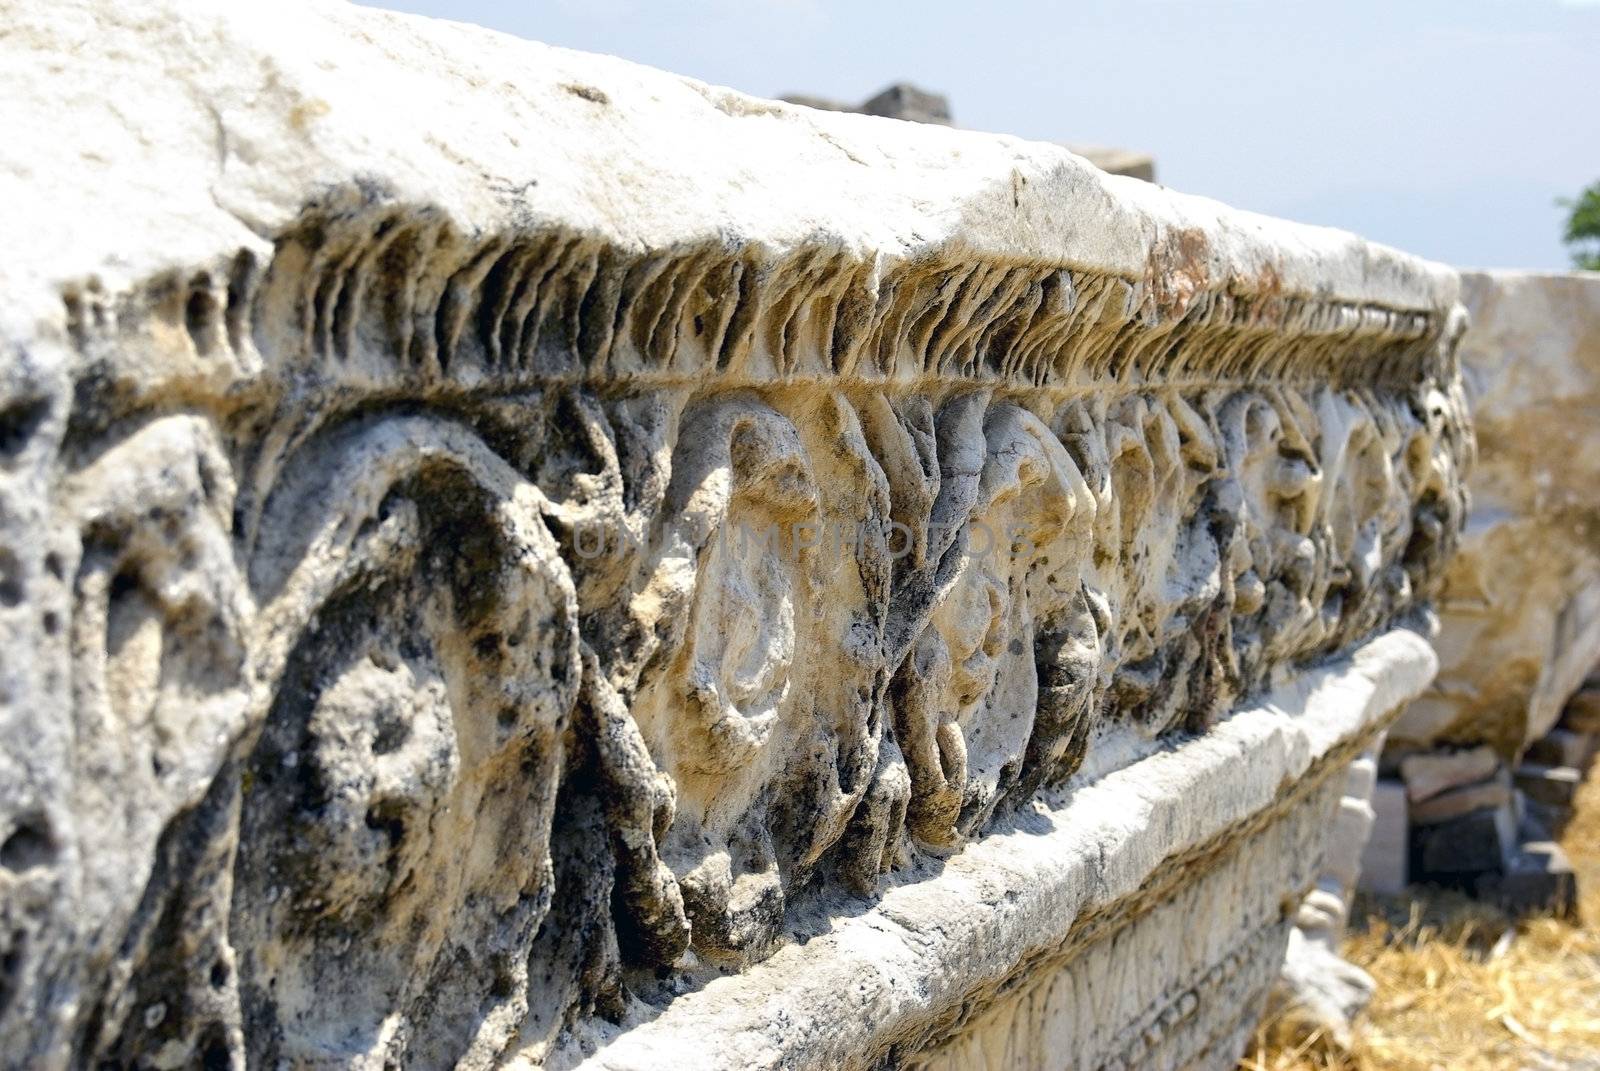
1521 608
1385 862
1105 898
1318 992
1495 792
1323 994
1352 825
473 589
1430 773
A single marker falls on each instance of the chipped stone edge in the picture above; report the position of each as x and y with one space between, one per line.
1023 894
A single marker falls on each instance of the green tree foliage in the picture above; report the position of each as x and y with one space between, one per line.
1583 228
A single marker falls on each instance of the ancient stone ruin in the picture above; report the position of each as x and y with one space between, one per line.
1483 768
512 558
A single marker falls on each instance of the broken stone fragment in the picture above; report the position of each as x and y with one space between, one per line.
1454 803
1320 993
1430 773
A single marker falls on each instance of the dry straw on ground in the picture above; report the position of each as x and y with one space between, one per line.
1461 987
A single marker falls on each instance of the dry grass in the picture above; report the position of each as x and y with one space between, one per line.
1461 987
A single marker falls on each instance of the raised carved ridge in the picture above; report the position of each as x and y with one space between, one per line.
1105 921
376 290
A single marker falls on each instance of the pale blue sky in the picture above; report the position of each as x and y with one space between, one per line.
1445 127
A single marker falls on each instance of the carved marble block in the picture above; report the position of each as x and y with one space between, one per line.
510 557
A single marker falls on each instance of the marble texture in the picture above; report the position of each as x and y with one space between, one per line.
499 544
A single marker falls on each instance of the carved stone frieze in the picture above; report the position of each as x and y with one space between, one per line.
462 586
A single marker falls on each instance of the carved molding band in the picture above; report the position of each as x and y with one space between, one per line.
418 597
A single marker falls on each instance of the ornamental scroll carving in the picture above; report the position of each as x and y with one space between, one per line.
529 619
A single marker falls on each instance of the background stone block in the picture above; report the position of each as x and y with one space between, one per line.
1475 843
1385 861
1495 792
1537 879
1520 611
1427 774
